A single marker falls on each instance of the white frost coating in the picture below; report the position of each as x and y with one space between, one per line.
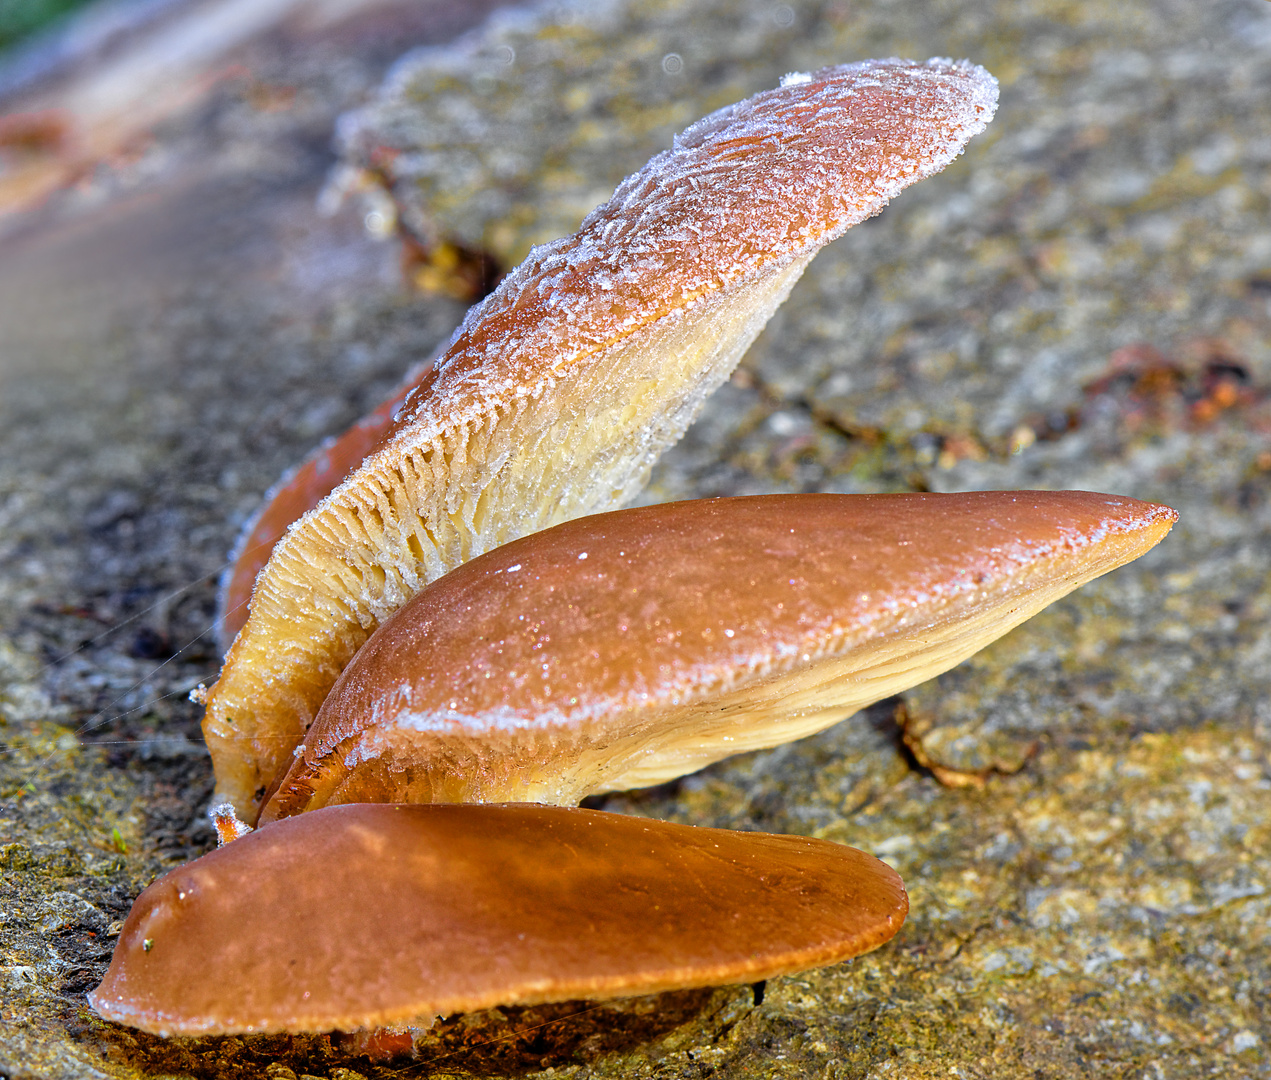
806 159
503 719
795 78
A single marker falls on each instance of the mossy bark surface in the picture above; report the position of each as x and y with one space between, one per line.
1082 813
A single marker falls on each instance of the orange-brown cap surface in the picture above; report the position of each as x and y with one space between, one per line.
560 390
627 648
359 916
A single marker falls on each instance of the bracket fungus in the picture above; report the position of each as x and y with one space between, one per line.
624 649
365 916
608 651
561 388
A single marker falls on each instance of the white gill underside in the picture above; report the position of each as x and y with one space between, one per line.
586 443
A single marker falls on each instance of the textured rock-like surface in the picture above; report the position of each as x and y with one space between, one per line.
1082 301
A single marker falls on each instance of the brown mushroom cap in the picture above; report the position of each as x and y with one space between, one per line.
359 916
560 389
628 648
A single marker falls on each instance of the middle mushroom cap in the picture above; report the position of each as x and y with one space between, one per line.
625 649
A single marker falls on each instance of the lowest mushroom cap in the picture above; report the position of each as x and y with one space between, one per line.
560 390
628 648
362 916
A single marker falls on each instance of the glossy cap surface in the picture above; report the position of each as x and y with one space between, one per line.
625 649
360 916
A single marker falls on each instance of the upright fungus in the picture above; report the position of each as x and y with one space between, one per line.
562 387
